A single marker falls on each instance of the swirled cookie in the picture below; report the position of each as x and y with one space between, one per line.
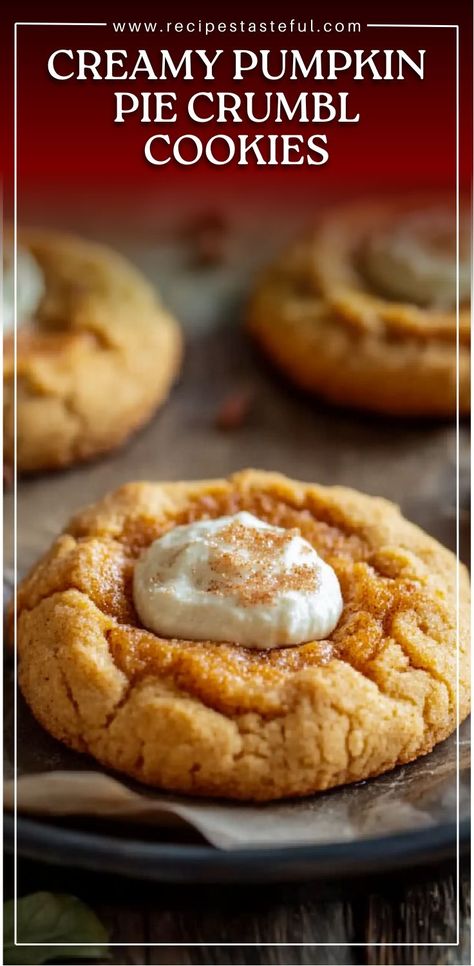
215 718
362 311
96 351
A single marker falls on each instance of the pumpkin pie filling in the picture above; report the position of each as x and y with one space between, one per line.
229 676
223 719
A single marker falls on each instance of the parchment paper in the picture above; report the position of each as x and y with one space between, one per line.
409 461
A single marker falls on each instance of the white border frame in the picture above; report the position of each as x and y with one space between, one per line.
27 23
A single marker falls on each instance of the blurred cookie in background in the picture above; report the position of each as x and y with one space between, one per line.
97 352
363 310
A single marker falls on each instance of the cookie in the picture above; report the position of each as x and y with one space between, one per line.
362 310
220 719
97 352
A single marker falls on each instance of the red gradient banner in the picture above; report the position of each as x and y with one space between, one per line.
405 137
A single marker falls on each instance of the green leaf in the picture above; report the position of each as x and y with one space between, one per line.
46 917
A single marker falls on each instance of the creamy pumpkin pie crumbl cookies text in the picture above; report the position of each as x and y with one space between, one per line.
363 310
333 664
97 351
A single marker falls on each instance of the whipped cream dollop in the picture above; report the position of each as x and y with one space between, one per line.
415 259
30 287
236 579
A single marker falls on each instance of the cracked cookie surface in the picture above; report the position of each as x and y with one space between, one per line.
218 719
322 320
98 359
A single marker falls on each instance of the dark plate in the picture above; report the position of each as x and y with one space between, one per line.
139 858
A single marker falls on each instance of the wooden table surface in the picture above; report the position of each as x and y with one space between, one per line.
410 462
417 908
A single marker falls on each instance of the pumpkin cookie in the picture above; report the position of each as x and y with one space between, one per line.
97 352
362 311
347 613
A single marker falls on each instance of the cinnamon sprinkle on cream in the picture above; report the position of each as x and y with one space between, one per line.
257 548
237 579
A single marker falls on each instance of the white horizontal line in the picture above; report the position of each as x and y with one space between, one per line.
57 23
435 25
238 945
